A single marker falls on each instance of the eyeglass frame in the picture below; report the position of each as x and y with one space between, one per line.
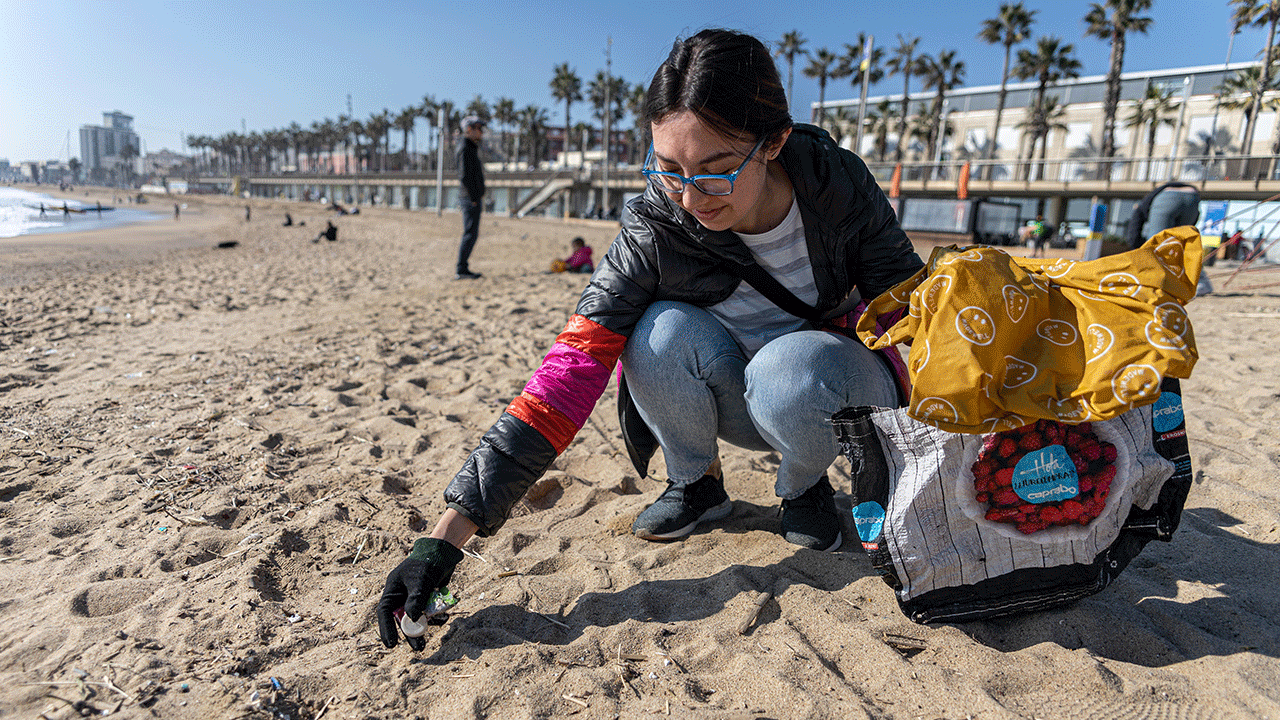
731 177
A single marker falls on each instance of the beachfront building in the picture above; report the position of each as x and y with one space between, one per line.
1171 124
108 151
1194 127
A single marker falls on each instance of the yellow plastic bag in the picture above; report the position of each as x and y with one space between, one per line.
999 341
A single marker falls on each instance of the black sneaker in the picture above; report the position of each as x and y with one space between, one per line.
468 275
678 510
811 520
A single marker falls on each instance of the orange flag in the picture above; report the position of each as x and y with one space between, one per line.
895 185
962 186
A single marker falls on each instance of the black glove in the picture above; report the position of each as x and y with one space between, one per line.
428 567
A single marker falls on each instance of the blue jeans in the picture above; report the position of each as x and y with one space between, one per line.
470 231
693 385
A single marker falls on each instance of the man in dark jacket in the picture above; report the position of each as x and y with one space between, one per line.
471 195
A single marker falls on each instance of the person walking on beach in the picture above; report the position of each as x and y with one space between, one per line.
176 211
471 197
247 213
735 190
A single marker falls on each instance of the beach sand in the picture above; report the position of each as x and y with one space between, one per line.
211 458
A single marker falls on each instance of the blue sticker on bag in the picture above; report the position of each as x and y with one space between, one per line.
868 518
1046 475
1166 414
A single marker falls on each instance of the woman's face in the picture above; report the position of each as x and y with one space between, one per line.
684 144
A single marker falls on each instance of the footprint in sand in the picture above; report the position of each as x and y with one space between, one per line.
108 598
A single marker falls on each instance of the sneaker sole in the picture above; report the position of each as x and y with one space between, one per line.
719 512
834 546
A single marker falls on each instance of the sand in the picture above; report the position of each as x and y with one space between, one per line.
210 459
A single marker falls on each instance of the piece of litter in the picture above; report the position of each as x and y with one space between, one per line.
162 528
276 684
354 591
295 618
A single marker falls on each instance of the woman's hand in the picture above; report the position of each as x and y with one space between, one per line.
429 567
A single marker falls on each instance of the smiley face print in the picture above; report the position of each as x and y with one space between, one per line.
937 409
975 325
931 294
1058 332
917 360
1172 317
1169 253
1058 268
1120 283
1015 302
1069 410
1098 341
1017 372
1132 383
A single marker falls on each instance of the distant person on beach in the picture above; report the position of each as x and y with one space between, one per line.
177 211
42 213
247 213
288 220
579 260
471 176
1171 205
66 211
330 233
99 209
726 297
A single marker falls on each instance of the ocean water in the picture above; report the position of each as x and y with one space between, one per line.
20 214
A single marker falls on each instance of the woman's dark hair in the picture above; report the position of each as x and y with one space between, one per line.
727 79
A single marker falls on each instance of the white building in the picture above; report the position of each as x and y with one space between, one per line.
102 147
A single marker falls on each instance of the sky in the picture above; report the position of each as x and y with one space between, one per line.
217 66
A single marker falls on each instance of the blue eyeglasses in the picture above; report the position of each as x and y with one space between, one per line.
674 183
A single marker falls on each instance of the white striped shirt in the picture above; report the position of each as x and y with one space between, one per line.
753 319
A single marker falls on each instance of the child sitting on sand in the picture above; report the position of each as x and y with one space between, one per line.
578 262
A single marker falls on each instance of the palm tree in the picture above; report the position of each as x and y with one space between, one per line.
1244 90
790 47
940 74
823 65
534 120
504 114
1011 27
842 119
1052 116
127 153
903 63
404 122
851 62
1258 13
635 105
1151 112
1051 61
378 128
881 120
566 87
1110 22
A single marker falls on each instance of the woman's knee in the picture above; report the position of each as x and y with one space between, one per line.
799 369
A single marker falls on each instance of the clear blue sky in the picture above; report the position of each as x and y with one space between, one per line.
203 67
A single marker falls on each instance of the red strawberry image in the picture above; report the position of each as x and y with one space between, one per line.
1001 458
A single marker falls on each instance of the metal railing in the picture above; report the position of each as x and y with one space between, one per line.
1189 169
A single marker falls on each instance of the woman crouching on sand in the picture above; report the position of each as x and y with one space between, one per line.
706 356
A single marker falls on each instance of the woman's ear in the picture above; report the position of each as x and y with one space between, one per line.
773 148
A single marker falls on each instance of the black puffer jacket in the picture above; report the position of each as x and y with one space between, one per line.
855 246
